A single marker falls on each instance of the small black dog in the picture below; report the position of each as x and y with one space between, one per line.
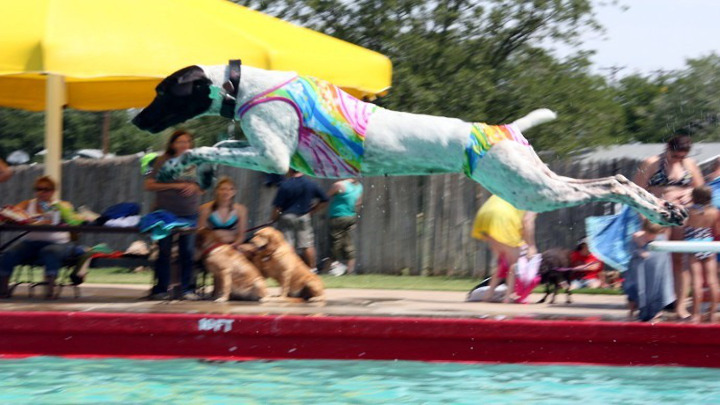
551 276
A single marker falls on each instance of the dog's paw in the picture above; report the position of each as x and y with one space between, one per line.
221 299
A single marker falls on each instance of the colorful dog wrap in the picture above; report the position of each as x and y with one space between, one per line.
483 137
331 135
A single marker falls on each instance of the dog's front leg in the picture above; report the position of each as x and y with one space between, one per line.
224 286
272 131
248 158
568 291
285 286
547 292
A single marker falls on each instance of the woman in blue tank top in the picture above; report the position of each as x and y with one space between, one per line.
223 215
345 200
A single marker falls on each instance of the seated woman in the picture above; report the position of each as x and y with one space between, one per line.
223 215
648 281
50 247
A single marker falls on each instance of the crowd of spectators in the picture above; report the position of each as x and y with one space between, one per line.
297 199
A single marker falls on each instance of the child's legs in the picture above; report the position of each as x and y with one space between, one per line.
696 271
681 279
711 278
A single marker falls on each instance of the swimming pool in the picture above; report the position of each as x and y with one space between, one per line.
53 380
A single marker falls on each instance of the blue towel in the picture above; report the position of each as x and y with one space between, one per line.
116 211
715 186
121 210
649 281
161 223
609 237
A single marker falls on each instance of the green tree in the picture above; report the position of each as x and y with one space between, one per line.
20 130
692 100
83 130
476 60
638 96
588 115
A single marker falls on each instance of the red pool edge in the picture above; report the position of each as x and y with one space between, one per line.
243 337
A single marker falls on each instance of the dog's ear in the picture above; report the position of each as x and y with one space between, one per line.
181 83
259 241
275 238
189 74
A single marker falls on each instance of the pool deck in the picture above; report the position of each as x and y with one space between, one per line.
114 321
340 302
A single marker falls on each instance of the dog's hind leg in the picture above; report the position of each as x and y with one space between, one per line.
515 173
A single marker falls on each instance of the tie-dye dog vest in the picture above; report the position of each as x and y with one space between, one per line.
331 141
483 137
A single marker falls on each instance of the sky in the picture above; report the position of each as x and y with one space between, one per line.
646 36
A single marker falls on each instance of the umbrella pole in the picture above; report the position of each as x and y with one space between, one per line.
54 102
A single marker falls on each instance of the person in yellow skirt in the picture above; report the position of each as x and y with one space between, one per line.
510 233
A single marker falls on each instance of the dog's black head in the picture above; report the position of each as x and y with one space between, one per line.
182 95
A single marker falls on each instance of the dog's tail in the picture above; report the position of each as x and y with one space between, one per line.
536 117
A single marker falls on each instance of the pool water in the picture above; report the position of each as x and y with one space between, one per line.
51 380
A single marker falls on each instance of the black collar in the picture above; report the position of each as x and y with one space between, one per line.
231 88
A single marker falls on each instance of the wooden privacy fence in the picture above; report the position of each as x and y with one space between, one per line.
408 224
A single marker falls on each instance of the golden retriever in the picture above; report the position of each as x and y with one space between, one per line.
234 275
276 259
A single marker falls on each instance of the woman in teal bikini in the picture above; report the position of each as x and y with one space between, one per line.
223 215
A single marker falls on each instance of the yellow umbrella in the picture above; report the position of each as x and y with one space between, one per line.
103 54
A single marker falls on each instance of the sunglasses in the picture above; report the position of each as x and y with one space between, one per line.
41 189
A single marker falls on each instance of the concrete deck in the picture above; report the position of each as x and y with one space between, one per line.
114 321
340 302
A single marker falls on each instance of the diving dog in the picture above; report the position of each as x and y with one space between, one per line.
234 275
316 128
276 259
553 272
